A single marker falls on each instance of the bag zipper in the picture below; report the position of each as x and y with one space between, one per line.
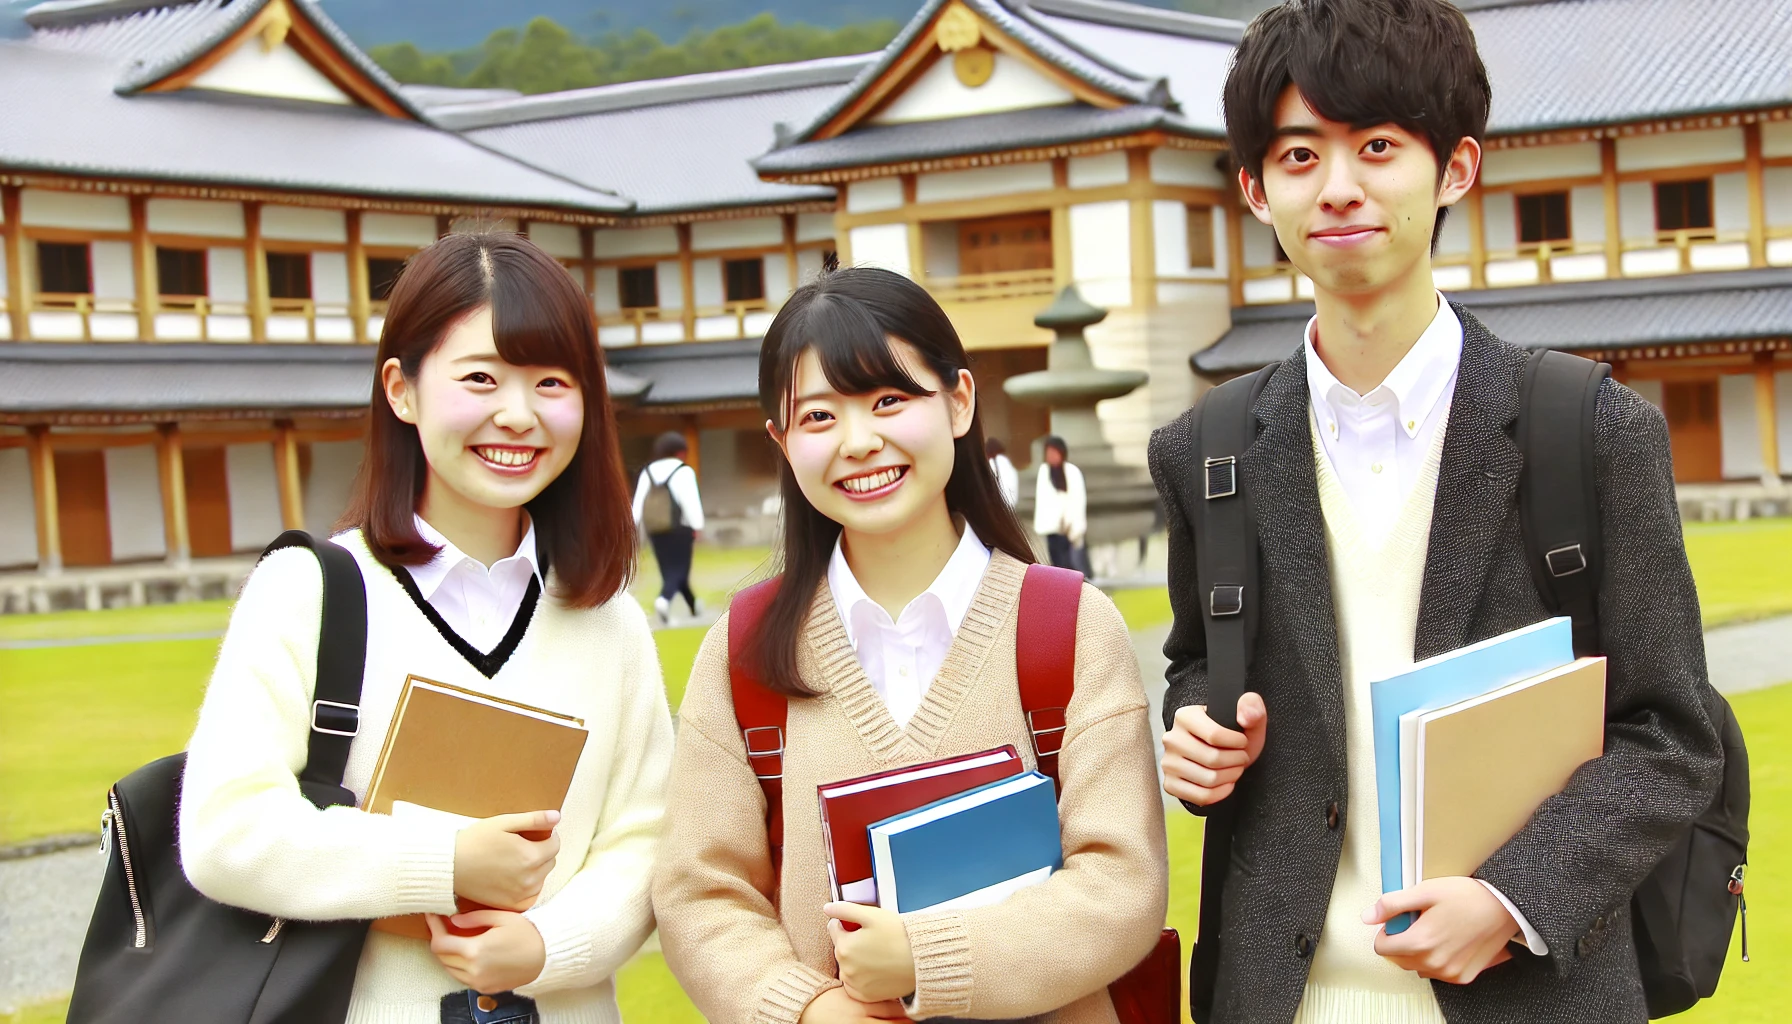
274 930
130 877
1736 889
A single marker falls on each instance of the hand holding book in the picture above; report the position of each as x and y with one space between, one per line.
502 861
1461 929
876 961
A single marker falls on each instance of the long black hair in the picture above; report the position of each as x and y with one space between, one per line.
847 317
1059 480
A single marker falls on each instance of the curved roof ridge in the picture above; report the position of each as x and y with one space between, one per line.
71 13
1148 19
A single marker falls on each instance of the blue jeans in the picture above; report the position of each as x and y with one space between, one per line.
507 1008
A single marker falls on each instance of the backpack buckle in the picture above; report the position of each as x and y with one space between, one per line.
335 719
1042 734
1222 476
1225 599
776 750
1565 561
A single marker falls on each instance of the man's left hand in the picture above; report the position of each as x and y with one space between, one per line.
1461 931
876 962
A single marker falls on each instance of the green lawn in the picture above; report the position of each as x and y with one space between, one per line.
1744 570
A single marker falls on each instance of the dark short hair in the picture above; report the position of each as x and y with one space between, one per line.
994 447
1410 63
540 317
669 445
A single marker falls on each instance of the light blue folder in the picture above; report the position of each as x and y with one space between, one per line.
1435 682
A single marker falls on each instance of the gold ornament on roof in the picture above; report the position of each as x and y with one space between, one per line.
274 27
974 66
958 29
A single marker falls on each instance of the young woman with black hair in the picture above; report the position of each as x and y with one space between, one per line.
1061 506
892 636
491 524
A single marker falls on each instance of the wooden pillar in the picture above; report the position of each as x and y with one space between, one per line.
286 475
1757 195
1767 420
43 490
1063 265
255 258
1143 231
917 252
1477 237
1614 231
18 305
790 268
360 292
171 469
687 280
689 428
143 269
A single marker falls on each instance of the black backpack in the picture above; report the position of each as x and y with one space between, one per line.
1684 912
158 952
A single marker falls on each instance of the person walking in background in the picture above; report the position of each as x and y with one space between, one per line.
669 509
1007 479
1061 506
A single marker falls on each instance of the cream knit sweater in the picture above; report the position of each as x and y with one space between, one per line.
748 952
1376 579
250 839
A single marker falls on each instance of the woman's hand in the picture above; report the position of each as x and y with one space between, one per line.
835 1006
508 954
502 861
876 963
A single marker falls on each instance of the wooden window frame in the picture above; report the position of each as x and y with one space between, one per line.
1544 237
310 288
728 296
1664 232
653 276
86 255
1202 212
162 289
373 282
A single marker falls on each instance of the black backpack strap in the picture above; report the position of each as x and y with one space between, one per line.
1227 578
1558 497
341 664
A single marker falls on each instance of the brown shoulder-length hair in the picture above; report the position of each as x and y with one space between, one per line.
848 317
584 525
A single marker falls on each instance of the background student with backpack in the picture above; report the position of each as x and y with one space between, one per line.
670 509
1357 507
891 639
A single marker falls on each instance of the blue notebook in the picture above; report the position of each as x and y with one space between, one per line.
1435 682
968 850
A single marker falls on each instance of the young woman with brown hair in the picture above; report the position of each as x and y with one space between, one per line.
491 522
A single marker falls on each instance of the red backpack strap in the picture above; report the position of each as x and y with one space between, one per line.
1045 657
760 713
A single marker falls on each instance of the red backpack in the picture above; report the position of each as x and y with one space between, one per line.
1045 660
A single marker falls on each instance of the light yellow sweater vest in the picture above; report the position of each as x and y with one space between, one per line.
1376 576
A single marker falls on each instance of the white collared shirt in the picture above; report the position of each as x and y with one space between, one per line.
1377 442
478 603
902 656
683 486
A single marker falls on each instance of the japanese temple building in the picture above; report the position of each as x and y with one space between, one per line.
203 202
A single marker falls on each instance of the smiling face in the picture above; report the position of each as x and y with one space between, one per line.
1354 207
494 434
876 462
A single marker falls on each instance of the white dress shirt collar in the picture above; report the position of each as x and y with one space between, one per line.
950 592
430 575
1416 383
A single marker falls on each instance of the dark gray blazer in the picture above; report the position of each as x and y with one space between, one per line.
1572 869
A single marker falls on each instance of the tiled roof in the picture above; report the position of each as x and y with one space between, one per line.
1628 313
693 373
1190 52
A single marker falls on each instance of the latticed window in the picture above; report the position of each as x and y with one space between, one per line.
744 280
1200 236
639 287
180 271
63 268
382 274
1683 205
289 275
1543 217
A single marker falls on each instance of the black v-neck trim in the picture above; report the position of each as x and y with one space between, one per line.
487 664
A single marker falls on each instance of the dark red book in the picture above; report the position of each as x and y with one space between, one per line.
849 807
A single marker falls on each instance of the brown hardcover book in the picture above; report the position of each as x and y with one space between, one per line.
460 752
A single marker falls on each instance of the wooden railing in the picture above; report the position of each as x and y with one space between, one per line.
639 317
1011 284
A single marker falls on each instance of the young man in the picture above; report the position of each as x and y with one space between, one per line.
1384 475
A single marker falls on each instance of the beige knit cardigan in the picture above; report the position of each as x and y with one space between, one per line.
747 951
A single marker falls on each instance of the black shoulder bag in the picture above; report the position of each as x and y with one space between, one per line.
1685 910
158 952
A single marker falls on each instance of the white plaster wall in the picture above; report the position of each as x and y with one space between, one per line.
1729 201
1776 138
1636 211
1098 170
556 239
1680 149
670 280
112 274
482 225
1101 252
983 181
1782 405
254 495
196 217
18 513
278 72
939 248
1169 229
939 94
777 279
1499 221
1776 182
303 224
881 245
1187 167
1649 390
814 227
329 278
1259 242
1158 341
333 468
874 195
1741 434
134 503
1454 239
609 290
808 265
227 275
407 229
618 242
1535 163
1586 213
43 208
706 282
746 233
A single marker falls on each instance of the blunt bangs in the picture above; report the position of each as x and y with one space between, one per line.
538 315
856 354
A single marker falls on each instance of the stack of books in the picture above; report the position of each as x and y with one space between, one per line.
960 832
1470 743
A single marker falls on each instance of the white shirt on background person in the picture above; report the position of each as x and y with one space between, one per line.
1065 511
1007 478
683 486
